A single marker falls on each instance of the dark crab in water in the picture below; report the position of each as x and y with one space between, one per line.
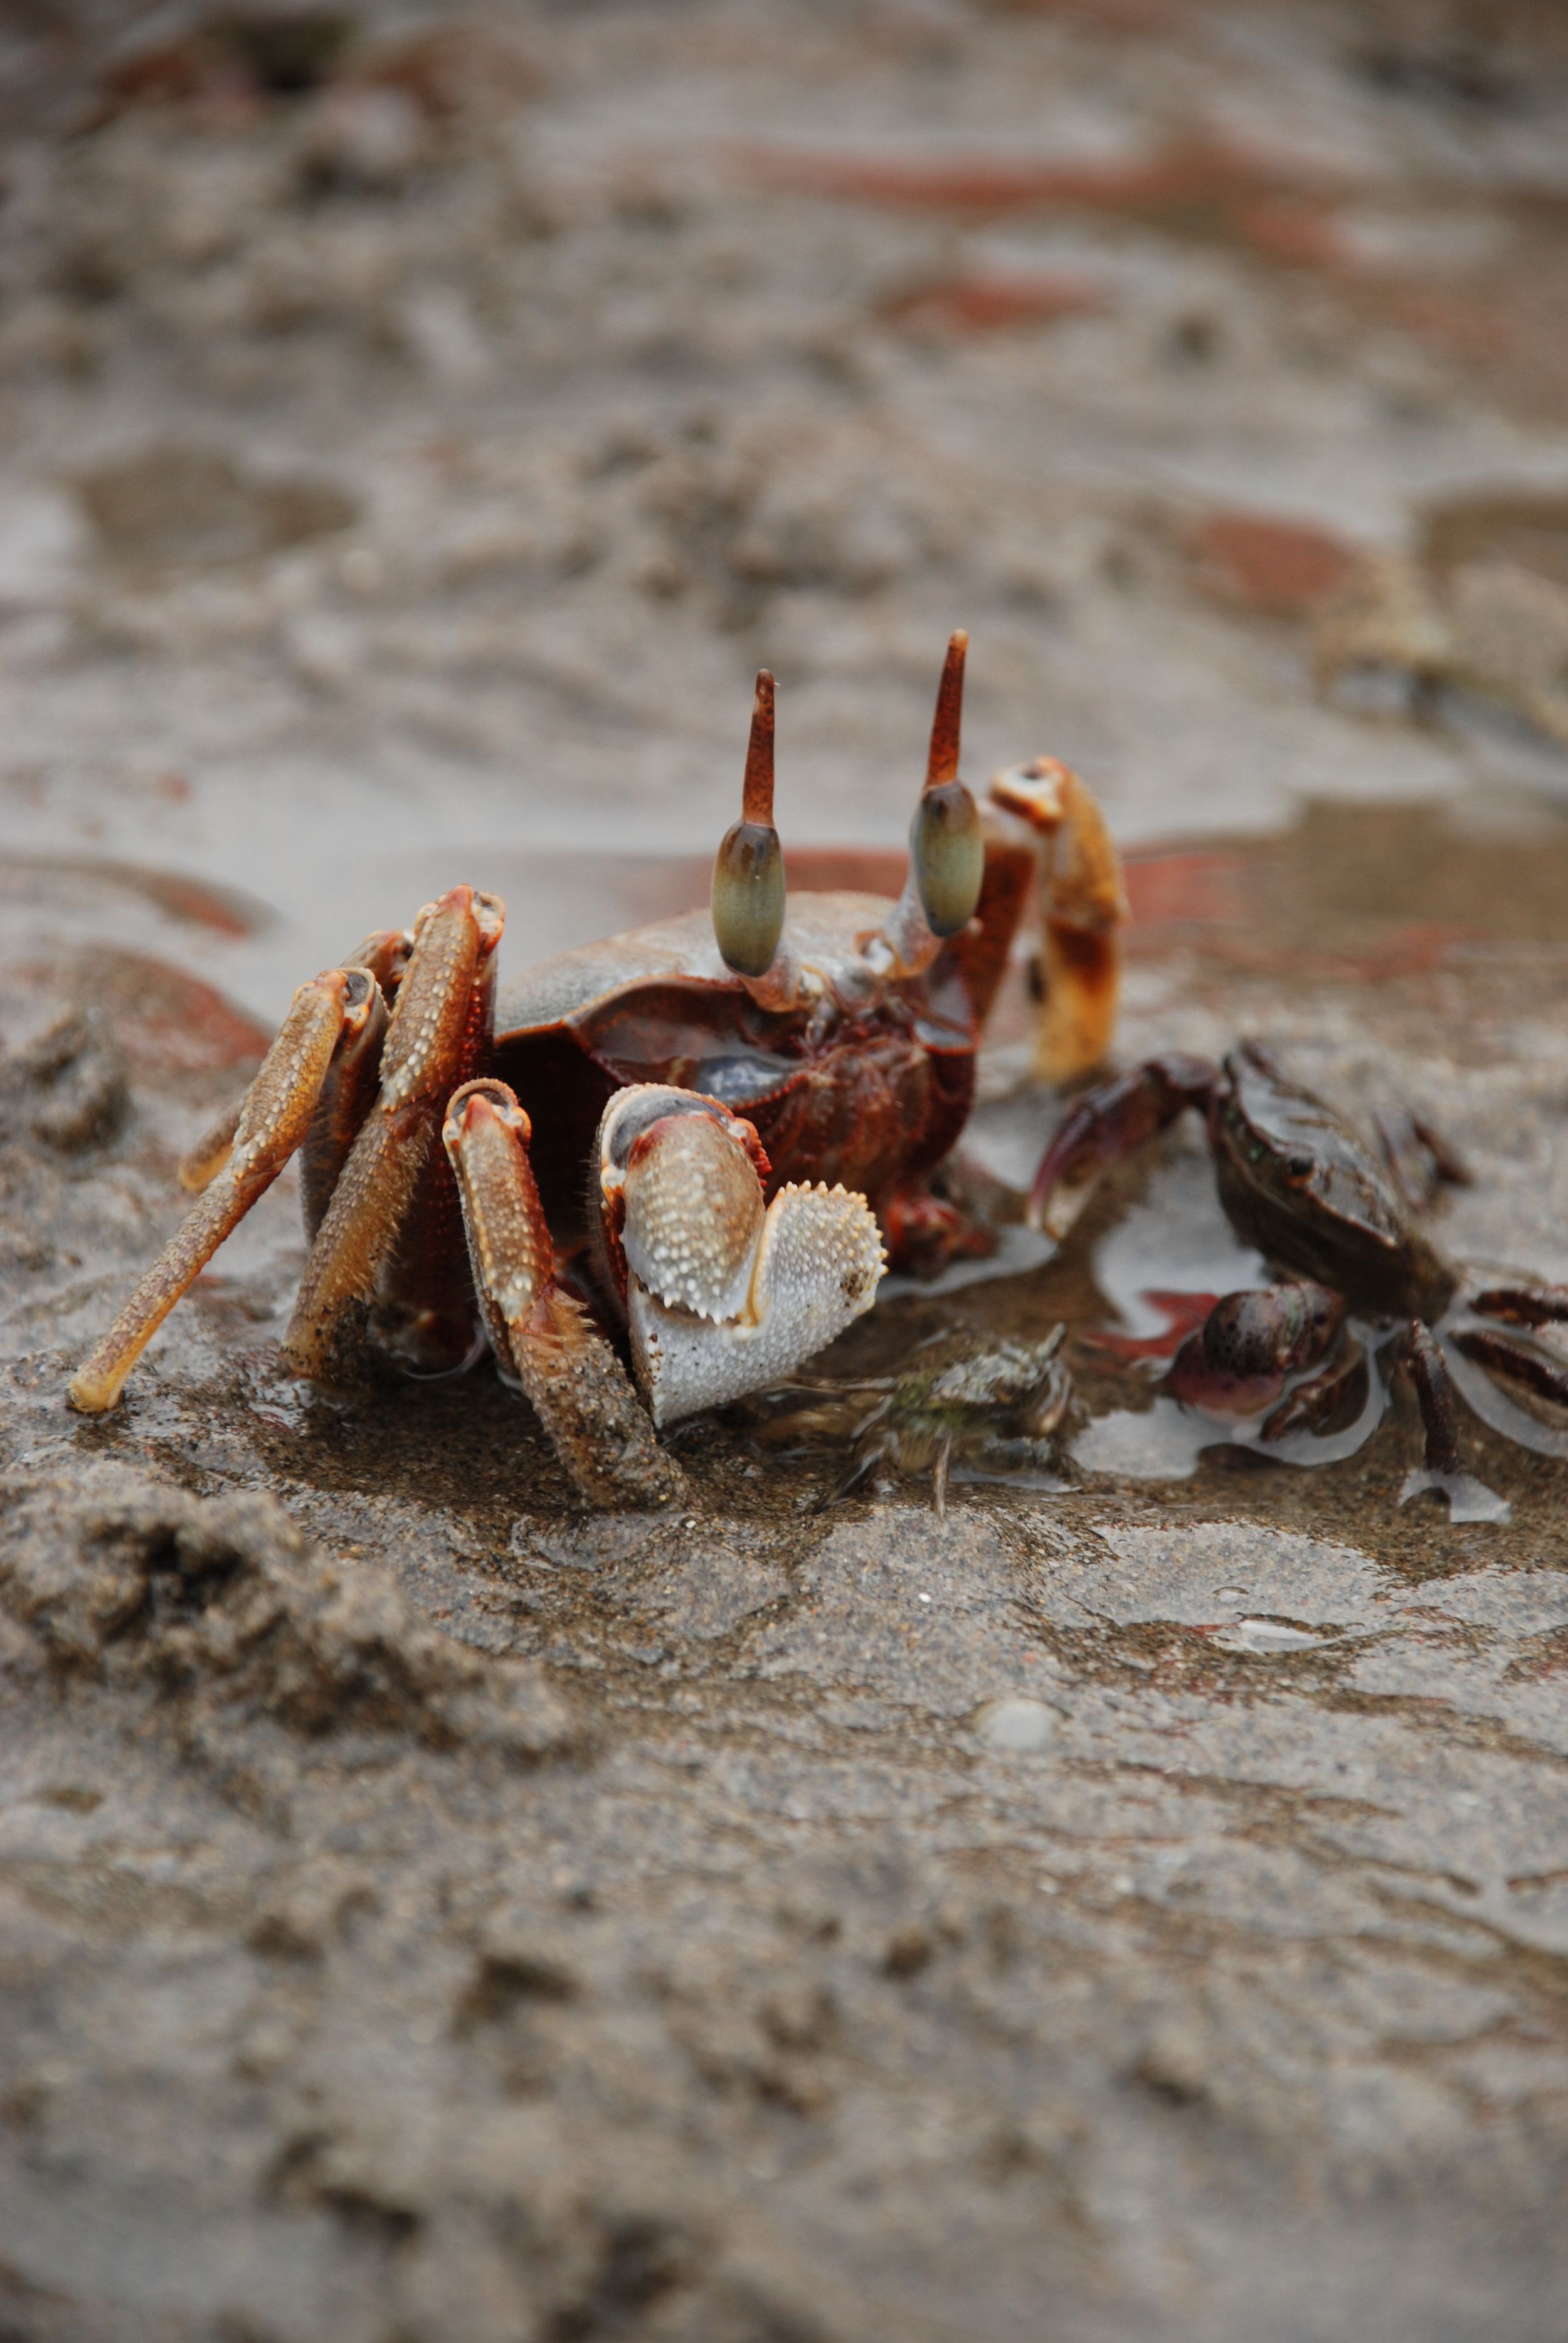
692 1146
1299 1184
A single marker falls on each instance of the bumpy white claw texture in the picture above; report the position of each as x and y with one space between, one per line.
816 1269
693 1212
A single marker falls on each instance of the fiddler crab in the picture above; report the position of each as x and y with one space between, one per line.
1297 1183
694 1145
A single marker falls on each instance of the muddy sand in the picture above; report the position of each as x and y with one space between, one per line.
1132 1903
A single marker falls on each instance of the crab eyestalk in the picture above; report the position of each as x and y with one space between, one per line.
947 843
748 894
946 858
749 868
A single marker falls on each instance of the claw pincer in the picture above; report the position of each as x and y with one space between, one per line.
1109 1123
722 1295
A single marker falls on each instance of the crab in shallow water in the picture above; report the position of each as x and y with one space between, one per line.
993 1410
1297 1182
705 1128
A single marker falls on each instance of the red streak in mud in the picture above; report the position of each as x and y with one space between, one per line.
985 305
1163 890
1283 568
167 1020
1207 188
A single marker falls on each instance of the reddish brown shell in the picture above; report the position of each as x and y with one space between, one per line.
871 1096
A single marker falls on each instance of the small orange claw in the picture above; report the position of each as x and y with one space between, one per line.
1083 906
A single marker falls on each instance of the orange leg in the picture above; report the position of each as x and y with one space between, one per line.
541 1335
345 1096
390 1240
327 1014
201 1164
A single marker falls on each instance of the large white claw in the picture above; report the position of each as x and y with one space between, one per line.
724 1298
817 1268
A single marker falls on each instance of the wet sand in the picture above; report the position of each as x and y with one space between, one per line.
1131 1908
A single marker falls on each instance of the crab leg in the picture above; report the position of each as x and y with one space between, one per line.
1525 1303
1418 1155
722 1296
539 1333
344 1099
1314 1403
1428 1370
1532 1368
200 1164
329 1012
437 1030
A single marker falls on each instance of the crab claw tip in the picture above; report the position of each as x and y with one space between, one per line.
477 1104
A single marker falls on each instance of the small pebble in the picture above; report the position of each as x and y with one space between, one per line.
1019 1725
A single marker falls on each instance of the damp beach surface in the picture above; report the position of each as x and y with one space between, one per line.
1131 1905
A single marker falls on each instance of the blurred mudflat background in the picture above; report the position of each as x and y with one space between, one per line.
1132 1907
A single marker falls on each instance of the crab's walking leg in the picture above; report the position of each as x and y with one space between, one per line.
1428 1370
1530 1364
1531 1369
345 1094
1524 1303
1316 1402
201 1164
723 1296
539 1333
1420 1160
271 1123
438 1032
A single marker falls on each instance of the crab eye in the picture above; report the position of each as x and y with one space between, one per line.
749 870
1297 1167
948 851
946 847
